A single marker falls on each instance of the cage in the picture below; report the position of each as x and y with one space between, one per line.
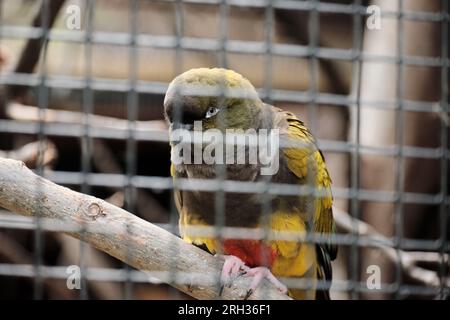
83 86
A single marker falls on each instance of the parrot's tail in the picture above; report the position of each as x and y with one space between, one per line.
324 273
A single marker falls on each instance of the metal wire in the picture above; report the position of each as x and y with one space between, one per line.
132 116
443 212
314 51
42 104
86 137
355 155
399 129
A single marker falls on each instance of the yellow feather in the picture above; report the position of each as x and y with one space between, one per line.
294 258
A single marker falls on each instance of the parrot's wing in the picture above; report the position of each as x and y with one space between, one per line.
178 198
184 216
307 163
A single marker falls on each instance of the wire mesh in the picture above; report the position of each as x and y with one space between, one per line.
134 132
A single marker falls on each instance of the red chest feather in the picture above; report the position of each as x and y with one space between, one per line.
253 252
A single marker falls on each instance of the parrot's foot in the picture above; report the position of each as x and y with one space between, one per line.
232 268
260 273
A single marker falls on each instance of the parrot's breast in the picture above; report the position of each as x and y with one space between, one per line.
252 252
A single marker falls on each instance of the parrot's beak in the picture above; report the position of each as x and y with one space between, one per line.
185 126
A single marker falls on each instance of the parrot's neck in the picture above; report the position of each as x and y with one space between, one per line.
265 117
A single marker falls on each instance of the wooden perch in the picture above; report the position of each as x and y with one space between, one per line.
121 234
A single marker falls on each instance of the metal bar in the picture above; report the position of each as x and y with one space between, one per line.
355 154
269 25
113 85
44 17
24 223
325 7
119 275
132 87
443 207
179 62
166 183
399 161
211 44
86 137
131 143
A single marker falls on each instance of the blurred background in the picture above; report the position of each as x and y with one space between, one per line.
81 102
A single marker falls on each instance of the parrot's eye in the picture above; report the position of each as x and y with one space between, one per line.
212 111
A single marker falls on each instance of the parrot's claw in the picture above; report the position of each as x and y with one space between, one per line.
232 268
258 274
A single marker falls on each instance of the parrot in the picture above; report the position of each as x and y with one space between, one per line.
205 96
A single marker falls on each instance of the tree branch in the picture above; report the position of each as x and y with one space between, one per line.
409 261
29 57
22 112
119 233
33 153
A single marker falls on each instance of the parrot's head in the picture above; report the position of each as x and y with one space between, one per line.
218 98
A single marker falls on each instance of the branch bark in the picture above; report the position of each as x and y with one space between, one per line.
122 235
